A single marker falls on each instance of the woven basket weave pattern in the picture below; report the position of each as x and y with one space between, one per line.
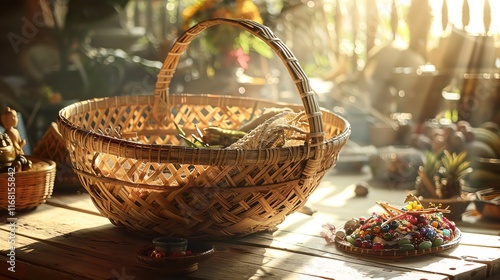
52 146
32 187
154 185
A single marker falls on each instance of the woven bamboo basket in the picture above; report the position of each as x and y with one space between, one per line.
153 185
52 146
27 189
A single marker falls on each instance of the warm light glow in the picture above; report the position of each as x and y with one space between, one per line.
455 16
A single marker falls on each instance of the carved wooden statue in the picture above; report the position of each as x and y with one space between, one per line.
12 137
9 122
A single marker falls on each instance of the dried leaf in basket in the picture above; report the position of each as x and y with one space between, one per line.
210 137
266 115
221 137
284 129
216 137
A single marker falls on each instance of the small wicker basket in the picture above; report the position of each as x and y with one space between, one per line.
22 190
153 185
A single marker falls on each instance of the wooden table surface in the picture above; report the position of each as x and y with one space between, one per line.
67 238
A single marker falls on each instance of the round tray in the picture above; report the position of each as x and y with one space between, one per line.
181 264
345 246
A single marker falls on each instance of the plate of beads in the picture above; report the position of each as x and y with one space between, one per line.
398 232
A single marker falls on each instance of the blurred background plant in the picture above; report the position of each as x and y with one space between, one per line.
226 47
67 63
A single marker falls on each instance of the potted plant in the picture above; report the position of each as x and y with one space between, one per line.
440 182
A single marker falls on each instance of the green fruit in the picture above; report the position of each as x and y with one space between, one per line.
488 137
476 149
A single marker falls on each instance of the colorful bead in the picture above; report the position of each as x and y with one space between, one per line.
437 242
358 242
412 219
394 225
385 228
409 232
406 247
421 219
430 234
425 245
350 239
377 246
366 244
404 241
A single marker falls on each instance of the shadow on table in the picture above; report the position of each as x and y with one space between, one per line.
109 252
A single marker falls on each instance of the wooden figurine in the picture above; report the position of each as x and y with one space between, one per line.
9 122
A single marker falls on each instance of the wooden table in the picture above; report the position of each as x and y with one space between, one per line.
66 238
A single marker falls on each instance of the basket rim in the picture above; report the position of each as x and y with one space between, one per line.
168 153
50 167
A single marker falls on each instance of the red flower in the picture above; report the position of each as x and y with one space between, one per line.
241 57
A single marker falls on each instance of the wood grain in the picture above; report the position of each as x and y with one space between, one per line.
61 242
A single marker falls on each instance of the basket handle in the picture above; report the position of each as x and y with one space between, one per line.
309 99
